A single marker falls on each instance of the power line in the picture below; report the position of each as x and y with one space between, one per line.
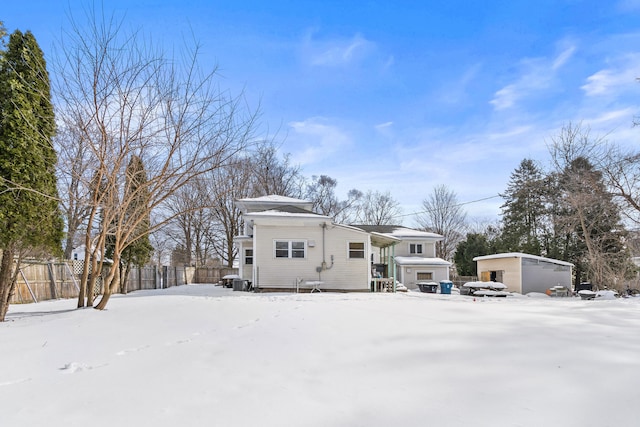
459 204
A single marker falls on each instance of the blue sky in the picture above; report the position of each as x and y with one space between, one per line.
402 96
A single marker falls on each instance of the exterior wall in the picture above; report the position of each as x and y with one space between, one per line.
511 268
409 274
428 248
285 273
539 275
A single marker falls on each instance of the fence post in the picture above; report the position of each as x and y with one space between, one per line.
52 281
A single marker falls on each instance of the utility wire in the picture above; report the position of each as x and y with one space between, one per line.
459 204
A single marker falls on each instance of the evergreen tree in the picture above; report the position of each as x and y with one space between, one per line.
476 244
524 211
29 214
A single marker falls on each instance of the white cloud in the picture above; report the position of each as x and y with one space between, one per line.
538 74
337 52
563 57
612 117
507 96
315 139
383 127
619 77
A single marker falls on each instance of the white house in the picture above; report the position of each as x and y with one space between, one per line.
287 247
414 254
524 273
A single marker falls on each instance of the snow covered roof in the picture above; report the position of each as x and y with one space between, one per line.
522 255
274 198
287 213
414 260
401 232
271 201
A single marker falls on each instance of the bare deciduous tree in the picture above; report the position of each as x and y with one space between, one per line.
376 208
444 215
321 191
127 99
273 175
74 171
589 215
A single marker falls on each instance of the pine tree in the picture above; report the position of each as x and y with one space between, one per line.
29 214
475 245
524 210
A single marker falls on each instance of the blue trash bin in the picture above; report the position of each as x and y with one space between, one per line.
445 286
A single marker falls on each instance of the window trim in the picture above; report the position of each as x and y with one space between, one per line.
424 272
418 248
351 251
290 249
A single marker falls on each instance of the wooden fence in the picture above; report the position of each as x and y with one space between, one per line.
212 274
39 281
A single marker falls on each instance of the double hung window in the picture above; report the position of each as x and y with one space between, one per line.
290 249
356 250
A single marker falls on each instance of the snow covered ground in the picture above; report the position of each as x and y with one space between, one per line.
202 355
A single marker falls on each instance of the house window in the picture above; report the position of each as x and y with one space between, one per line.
356 250
290 249
415 248
424 275
248 256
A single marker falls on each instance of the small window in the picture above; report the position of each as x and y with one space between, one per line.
424 276
356 250
290 249
415 248
248 256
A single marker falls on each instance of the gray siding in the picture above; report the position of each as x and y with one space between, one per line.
538 275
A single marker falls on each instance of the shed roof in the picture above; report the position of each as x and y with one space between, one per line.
522 255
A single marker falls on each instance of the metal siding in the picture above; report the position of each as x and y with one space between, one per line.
538 276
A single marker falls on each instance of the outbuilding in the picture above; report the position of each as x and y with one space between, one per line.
524 273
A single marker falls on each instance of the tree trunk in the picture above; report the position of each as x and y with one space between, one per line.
111 283
84 279
124 277
7 282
